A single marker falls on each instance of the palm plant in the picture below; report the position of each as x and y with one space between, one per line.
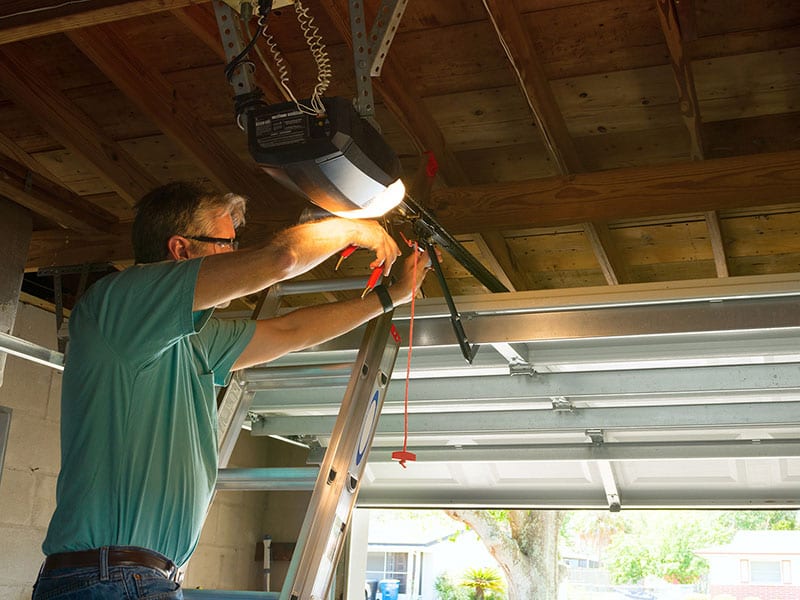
482 580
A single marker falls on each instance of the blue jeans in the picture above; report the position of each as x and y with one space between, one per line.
106 582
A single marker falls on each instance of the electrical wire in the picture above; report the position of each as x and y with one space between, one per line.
43 8
317 49
318 52
270 70
241 58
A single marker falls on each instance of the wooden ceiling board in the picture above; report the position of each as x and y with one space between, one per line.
762 235
421 16
729 44
715 17
750 85
458 58
74 171
764 265
607 65
164 44
27 133
612 150
484 119
508 163
599 37
549 261
736 137
671 243
680 271
71 70
632 100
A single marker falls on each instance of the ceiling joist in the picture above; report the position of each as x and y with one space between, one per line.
70 125
690 187
531 78
160 101
30 20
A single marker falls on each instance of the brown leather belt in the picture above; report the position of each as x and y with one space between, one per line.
117 557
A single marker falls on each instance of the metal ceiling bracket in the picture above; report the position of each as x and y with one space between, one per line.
383 30
596 436
561 404
370 51
365 100
609 485
521 369
230 30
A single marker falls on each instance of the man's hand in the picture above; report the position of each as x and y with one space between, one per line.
407 285
370 235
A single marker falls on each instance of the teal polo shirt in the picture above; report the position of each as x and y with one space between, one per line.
139 413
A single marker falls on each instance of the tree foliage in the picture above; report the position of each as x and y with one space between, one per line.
662 544
525 545
447 589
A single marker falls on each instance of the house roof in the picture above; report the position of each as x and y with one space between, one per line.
389 528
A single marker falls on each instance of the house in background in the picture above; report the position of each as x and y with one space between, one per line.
415 551
756 564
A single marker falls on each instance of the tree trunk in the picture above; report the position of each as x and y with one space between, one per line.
525 546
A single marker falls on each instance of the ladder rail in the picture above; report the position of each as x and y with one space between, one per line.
330 509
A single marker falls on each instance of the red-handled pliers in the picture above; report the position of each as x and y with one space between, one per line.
376 272
373 280
345 253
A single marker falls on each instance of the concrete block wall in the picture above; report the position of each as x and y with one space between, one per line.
28 484
285 510
225 556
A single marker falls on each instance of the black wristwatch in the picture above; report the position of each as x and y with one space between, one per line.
384 297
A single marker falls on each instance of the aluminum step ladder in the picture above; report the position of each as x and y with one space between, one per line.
327 518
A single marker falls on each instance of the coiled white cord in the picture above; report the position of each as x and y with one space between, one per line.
318 51
317 48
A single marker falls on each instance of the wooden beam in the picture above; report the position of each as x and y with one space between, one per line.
160 101
55 248
28 88
49 200
493 247
682 70
687 19
717 243
61 205
690 187
605 251
533 82
26 19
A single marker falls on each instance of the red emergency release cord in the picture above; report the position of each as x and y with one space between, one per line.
403 455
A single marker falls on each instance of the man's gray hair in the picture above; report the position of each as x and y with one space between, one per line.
179 208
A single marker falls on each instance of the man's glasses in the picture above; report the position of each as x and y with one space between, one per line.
232 243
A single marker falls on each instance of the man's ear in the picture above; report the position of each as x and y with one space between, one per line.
178 248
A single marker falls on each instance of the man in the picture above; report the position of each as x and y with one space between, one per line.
138 421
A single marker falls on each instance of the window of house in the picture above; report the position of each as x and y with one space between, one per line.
765 571
388 565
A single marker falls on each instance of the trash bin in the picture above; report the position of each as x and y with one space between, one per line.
389 588
370 588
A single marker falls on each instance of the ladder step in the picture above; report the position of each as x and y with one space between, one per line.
264 479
